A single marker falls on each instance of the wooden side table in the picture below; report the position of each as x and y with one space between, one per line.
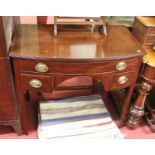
148 76
42 62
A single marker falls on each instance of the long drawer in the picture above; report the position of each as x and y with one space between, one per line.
36 66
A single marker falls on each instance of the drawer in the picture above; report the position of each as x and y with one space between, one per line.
151 30
36 82
150 40
122 80
79 67
27 65
96 67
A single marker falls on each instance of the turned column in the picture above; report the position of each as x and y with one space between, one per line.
137 109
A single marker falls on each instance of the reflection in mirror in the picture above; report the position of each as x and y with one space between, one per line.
81 50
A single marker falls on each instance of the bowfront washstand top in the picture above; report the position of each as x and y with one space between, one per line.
32 41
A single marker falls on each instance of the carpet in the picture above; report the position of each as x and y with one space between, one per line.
77 117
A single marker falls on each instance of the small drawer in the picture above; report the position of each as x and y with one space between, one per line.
150 40
36 82
35 66
122 80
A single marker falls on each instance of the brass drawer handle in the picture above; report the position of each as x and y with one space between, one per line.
40 67
35 83
121 65
122 79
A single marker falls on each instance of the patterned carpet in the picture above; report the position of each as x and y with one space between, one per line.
77 117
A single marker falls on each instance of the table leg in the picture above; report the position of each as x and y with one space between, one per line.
21 98
125 107
137 110
17 127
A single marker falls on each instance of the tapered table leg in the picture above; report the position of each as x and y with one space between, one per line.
16 125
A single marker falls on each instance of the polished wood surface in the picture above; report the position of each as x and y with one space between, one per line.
144 30
42 63
147 20
39 42
2 40
147 82
29 66
8 104
6 101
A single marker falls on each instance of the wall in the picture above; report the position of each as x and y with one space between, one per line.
33 19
